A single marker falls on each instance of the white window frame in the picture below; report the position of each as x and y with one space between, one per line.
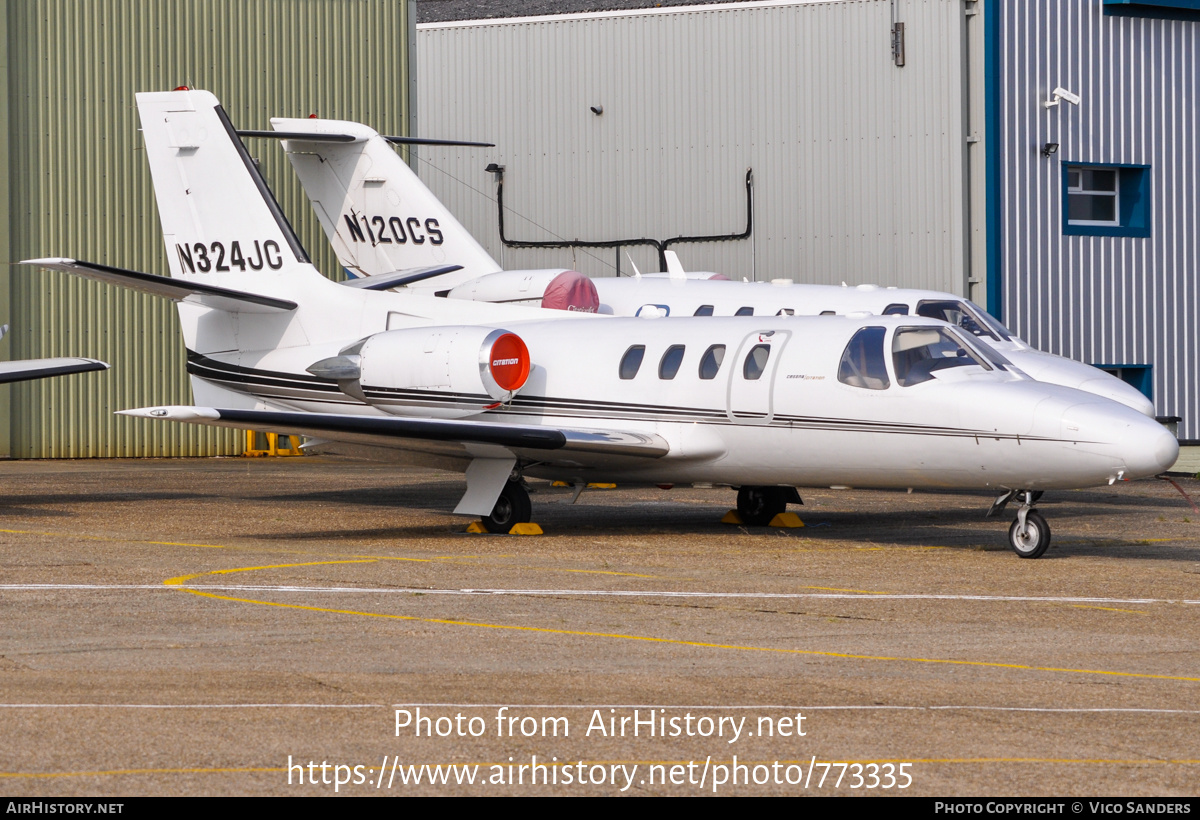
1115 193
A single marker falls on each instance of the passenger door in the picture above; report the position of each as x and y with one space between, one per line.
752 376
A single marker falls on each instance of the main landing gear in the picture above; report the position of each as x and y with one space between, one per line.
756 506
1029 535
512 508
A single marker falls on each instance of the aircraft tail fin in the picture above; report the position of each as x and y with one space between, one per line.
220 221
378 215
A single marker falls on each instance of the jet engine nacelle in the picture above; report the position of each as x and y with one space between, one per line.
438 372
522 286
556 289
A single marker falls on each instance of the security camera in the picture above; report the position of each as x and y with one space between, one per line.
1059 94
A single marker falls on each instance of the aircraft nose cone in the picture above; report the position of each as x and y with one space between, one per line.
1151 449
1142 447
1119 391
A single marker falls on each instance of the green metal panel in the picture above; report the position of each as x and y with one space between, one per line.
76 183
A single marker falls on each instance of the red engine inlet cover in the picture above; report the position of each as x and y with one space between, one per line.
571 290
508 362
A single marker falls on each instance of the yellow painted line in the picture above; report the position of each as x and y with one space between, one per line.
646 638
860 591
184 578
439 559
539 569
963 761
1110 609
1135 543
592 572
105 538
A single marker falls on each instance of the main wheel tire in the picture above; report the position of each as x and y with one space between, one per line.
1034 540
512 507
758 505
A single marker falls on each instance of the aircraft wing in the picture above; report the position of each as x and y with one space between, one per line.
420 433
181 290
28 369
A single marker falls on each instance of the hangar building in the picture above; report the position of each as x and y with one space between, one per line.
915 143
75 183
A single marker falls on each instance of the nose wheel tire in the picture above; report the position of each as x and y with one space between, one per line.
1032 540
758 505
512 507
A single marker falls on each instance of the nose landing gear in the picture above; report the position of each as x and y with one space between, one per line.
1029 535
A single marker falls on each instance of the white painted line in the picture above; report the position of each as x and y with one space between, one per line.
20 587
194 706
614 593
787 707
560 706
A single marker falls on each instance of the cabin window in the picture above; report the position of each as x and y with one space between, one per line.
827 313
918 352
756 362
631 362
710 363
668 366
897 309
863 363
704 310
744 311
786 312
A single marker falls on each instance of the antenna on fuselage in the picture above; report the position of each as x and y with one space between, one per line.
637 274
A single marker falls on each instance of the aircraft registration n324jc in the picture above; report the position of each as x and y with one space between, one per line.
764 404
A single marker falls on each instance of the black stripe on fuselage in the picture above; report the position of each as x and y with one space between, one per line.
276 384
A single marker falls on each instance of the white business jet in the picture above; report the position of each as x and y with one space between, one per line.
389 229
764 404
28 369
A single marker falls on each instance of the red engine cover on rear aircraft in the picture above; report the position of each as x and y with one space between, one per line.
571 290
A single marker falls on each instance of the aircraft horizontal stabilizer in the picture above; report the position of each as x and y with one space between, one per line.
395 432
386 281
316 136
195 293
27 369
300 135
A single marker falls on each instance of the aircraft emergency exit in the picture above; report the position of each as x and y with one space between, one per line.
502 393
376 212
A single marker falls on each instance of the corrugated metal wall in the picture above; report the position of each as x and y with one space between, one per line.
858 164
77 183
1106 300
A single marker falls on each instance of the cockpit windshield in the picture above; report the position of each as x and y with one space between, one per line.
918 352
967 315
